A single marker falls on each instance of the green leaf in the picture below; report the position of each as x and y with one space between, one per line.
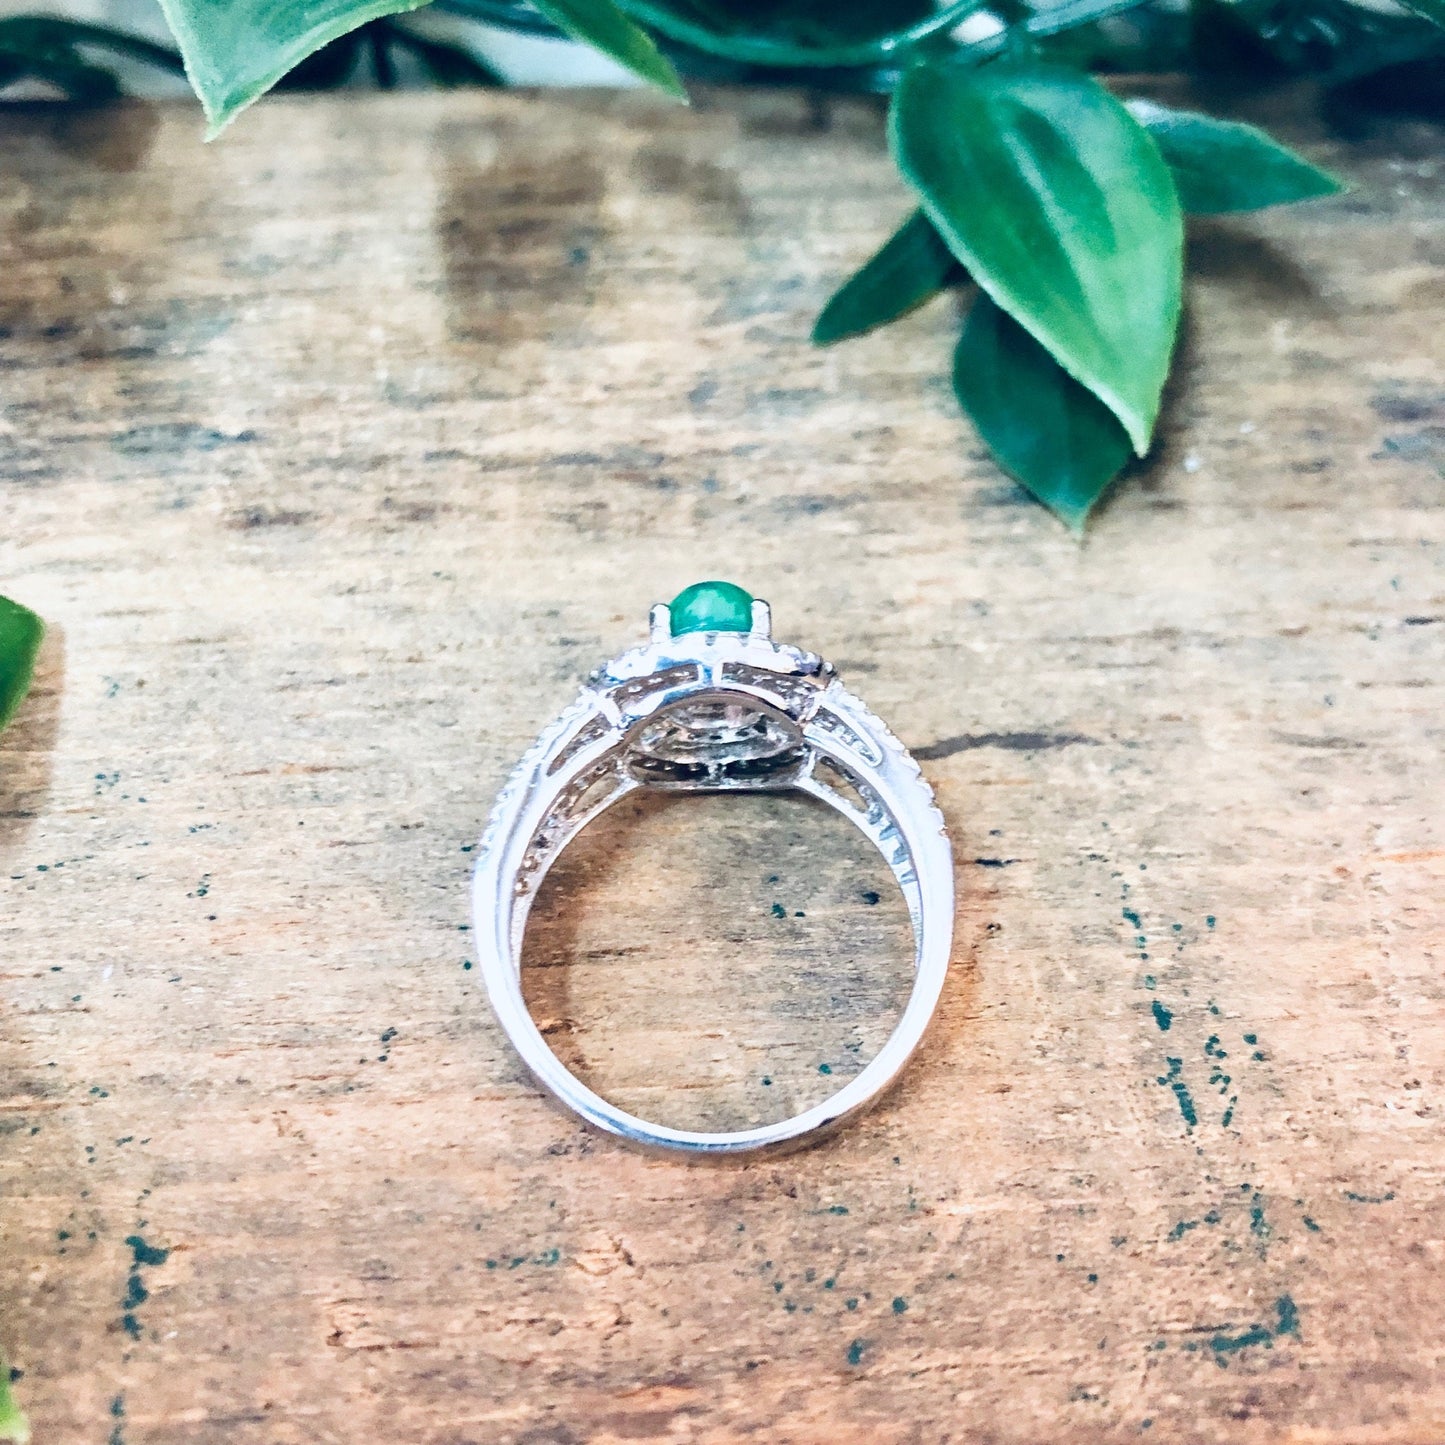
818 24
1221 165
14 1427
20 634
912 265
236 50
796 34
40 35
601 24
41 47
1042 427
1061 207
13 1424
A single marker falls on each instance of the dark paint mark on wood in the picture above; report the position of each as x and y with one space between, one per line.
1395 406
1175 1083
1009 742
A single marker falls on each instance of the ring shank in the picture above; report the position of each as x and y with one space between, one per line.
852 763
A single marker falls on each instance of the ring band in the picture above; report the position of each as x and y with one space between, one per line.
711 703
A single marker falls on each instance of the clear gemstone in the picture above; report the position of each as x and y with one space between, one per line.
715 732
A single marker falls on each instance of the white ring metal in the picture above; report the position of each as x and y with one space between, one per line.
824 743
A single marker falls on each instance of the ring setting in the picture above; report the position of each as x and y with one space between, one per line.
711 703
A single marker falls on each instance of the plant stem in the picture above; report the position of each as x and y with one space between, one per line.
79 32
762 51
747 49
381 62
759 50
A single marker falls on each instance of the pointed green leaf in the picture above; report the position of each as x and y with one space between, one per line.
913 264
20 634
1062 209
1054 435
600 23
1221 165
236 50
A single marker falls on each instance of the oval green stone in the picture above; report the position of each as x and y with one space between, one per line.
712 607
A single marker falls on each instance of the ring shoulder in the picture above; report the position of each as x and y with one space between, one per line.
883 748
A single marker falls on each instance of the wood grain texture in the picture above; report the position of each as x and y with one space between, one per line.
336 453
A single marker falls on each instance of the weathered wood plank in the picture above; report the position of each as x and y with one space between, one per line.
337 452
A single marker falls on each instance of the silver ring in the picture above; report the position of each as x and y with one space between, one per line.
711 703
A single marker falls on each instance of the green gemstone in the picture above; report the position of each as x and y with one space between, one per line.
712 607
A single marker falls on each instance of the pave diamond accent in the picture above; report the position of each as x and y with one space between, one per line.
716 741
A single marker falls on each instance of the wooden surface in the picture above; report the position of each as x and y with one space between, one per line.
336 453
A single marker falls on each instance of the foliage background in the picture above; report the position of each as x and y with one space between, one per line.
520 58
1054 207
1046 195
